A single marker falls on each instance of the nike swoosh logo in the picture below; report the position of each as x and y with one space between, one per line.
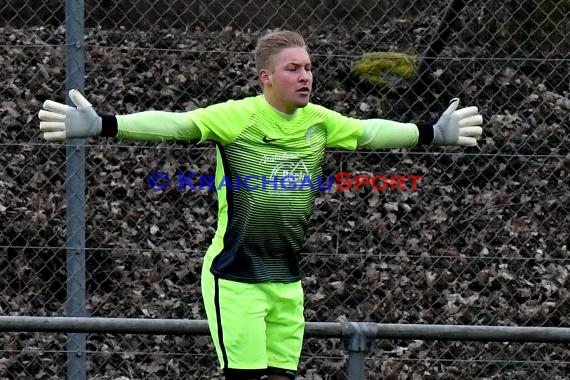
267 140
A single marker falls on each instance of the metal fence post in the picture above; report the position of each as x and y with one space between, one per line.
75 192
358 339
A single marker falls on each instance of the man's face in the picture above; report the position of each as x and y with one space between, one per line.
287 85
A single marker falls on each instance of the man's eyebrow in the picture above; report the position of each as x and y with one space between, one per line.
299 63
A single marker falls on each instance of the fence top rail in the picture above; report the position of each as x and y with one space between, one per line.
312 329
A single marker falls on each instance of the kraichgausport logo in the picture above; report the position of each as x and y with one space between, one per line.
291 179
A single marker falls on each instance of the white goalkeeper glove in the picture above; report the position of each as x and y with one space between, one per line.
458 127
59 121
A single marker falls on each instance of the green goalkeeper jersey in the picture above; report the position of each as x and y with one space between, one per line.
267 175
263 157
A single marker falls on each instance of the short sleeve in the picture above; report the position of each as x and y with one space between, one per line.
342 131
222 122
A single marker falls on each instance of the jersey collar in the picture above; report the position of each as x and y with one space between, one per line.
278 113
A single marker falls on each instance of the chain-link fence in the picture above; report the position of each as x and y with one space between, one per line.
483 240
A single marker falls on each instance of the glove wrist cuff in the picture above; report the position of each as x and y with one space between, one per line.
109 126
426 133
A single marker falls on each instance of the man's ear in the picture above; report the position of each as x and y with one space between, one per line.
265 76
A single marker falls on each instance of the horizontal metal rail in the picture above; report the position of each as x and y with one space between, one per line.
312 329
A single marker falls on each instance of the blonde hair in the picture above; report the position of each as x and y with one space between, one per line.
272 43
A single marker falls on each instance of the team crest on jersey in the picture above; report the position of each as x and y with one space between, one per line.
311 132
290 168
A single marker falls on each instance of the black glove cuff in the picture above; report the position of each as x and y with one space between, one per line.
426 133
109 126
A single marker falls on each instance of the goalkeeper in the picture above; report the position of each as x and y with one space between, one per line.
251 281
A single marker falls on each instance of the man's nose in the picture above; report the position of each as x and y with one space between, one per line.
304 76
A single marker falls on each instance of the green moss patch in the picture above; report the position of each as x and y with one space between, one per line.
377 66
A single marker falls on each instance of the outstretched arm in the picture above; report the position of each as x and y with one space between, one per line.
454 127
59 122
387 134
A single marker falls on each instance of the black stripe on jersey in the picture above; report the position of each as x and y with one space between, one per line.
219 322
229 192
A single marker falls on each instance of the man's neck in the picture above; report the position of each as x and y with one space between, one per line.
274 107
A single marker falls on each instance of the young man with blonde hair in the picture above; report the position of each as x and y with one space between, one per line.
251 281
